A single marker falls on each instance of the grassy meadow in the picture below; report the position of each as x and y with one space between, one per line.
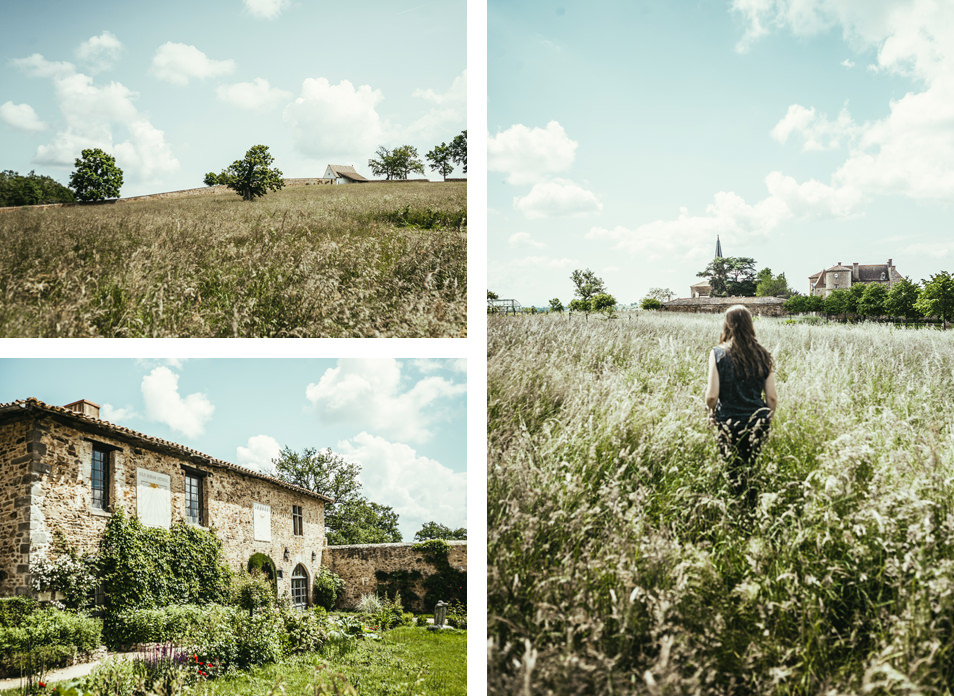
313 261
619 561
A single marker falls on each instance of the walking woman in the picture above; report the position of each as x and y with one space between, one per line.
740 372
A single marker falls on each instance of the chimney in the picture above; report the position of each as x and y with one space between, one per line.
890 264
854 271
84 407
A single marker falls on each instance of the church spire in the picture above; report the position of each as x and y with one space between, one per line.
718 248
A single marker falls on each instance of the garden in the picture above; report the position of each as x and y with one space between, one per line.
186 624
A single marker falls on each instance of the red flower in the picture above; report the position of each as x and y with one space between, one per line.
42 685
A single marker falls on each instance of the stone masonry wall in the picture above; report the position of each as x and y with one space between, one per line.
356 565
14 512
64 496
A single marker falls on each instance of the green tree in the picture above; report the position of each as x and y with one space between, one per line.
362 522
556 305
730 276
836 303
253 176
491 295
661 294
602 301
96 176
853 298
901 299
440 159
458 148
717 274
397 163
768 285
650 303
873 300
31 189
587 284
937 297
578 305
435 530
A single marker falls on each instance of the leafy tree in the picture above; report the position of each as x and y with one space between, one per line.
587 284
435 530
836 303
31 189
853 298
96 176
730 275
441 160
660 294
351 519
937 297
799 303
556 305
253 175
901 299
650 303
768 285
602 301
397 163
579 305
458 148
211 179
491 295
873 300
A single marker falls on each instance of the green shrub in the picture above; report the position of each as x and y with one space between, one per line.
421 620
328 587
48 636
252 591
305 631
164 624
369 603
13 610
390 613
457 615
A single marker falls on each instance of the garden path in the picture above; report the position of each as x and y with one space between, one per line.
67 673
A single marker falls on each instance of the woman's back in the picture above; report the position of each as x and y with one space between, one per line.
740 396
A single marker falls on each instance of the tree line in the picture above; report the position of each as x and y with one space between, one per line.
401 162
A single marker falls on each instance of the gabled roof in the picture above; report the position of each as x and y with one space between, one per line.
15 408
700 284
346 171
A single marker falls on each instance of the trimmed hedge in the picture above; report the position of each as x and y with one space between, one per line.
164 624
13 610
49 634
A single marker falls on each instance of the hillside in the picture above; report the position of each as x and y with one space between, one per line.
379 259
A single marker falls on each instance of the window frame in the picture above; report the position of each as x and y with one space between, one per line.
298 520
100 498
199 507
299 587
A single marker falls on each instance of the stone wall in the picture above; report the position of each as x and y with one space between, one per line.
14 510
767 306
357 565
62 495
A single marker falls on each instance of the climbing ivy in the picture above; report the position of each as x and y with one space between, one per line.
448 583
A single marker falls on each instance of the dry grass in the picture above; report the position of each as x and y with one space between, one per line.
313 261
620 562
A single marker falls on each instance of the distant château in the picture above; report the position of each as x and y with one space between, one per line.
840 277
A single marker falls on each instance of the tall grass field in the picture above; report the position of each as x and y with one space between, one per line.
377 259
619 561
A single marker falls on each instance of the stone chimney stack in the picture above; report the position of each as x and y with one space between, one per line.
87 408
854 271
890 264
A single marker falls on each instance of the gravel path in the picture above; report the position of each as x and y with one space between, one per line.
67 673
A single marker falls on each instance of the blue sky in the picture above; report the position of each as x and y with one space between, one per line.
403 421
174 90
625 136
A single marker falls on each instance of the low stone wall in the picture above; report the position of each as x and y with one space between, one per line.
767 306
359 565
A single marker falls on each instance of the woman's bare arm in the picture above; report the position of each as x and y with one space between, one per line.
712 389
771 396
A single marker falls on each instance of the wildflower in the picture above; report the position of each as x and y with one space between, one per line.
42 685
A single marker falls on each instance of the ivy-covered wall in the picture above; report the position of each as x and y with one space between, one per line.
422 572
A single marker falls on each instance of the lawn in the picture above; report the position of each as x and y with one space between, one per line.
378 259
620 562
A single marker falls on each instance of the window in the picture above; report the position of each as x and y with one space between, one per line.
100 478
297 522
299 581
193 499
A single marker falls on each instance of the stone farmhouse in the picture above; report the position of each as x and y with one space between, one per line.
840 277
343 174
64 470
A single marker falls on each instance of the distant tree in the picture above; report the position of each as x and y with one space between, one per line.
815 303
253 176
661 294
602 301
901 299
873 300
796 304
937 297
440 159
491 295
650 303
397 163
853 298
768 285
587 284
579 305
458 148
31 189
363 522
434 530
556 305
836 303
730 276
211 179
96 176
717 274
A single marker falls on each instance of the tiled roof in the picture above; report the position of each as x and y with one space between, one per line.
33 404
683 301
346 171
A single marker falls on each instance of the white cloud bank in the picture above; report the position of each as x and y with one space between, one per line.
529 155
369 393
557 198
160 392
258 456
266 9
256 95
419 489
100 52
178 63
22 117
328 120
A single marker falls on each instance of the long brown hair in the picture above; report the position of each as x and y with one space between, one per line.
748 356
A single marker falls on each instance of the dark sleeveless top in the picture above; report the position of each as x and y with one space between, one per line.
739 399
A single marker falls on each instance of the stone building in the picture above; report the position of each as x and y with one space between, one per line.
766 306
343 174
63 469
840 277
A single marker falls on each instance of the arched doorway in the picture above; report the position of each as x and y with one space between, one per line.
299 587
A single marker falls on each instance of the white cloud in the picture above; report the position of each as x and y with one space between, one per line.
91 115
418 488
100 52
429 365
528 155
21 117
328 120
266 9
368 392
817 132
160 392
848 63
113 414
261 450
557 198
447 111
177 63
256 95
524 239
